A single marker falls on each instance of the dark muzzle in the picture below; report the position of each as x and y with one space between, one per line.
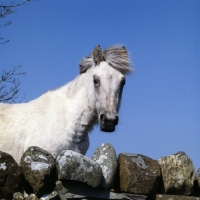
108 122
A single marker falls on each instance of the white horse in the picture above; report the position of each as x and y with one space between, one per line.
62 118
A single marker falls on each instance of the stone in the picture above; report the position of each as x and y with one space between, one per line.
11 179
79 190
39 169
198 176
32 197
175 197
178 174
75 166
197 192
18 196
106 157
53 196
138 174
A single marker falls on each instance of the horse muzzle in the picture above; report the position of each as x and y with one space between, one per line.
108 122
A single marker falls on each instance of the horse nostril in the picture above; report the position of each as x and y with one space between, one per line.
108 120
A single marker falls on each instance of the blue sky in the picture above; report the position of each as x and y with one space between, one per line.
160 112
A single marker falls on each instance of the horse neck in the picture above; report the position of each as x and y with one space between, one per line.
80 93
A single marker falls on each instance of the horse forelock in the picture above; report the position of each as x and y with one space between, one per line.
116 56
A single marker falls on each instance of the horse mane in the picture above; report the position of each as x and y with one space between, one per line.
116 56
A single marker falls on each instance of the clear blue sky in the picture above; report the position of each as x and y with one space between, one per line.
160 112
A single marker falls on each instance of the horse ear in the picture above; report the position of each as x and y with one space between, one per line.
97 55
93 59
124 49
85 64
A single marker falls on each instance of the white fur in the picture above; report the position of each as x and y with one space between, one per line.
60 119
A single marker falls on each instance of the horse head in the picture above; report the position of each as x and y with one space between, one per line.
107 69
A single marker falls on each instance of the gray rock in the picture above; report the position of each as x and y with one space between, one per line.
175 197
32 197
138 174
53 196
74 166
39 169
78 190
106 157
11 180
197 192
198 176
178 174
18 196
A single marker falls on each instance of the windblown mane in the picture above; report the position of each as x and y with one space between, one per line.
116 56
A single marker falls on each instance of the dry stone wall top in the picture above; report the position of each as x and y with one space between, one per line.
39 169
138 177
139 174
175 197
178 174
10 176
106 157
74 166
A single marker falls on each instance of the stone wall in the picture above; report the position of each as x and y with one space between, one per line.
104 176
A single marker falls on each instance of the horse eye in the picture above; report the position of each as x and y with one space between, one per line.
96 81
